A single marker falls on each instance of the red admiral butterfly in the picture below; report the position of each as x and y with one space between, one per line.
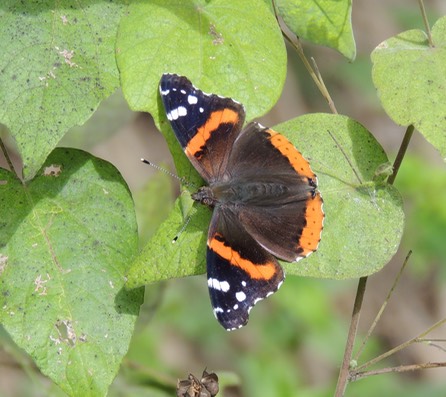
263 194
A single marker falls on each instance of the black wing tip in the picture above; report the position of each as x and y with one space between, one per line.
171 78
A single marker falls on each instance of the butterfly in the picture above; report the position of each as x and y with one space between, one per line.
261 189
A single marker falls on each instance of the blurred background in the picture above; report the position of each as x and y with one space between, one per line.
294 343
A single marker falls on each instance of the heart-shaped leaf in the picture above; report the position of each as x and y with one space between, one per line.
56 65
221 45
411 80
323 22
66 238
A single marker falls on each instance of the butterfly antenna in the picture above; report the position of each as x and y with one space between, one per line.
171 174
183 228
184 182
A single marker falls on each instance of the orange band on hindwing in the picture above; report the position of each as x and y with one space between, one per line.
264 271
311 233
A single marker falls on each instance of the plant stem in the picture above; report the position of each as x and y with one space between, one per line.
426 23
381 310
344 372
402 346
401 154
402 368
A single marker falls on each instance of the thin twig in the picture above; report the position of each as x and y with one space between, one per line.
314 72
426 23
430 342
344 372
381 310
437 346
402 368
401 152
324 87
401 346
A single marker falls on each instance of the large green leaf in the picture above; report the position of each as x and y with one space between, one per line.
364 217
231 47
56 65
411 80
363 224
323 22
66 238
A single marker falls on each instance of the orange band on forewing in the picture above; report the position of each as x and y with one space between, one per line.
264 271
199 140
297 161
311 233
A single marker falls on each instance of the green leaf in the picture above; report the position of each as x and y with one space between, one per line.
66 239
410 78
221 45
153 203
364 218
323 22
363 224
56 65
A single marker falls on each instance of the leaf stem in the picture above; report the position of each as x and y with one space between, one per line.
344 372
313 71
8 159
426 23
401 153
324 91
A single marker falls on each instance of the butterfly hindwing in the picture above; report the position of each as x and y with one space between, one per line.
240 273
287 222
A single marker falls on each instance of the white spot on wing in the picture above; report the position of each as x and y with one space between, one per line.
174 114
192 100
164 92
217 310
218 285
240 296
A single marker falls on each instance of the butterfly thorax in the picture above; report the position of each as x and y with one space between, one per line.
252 193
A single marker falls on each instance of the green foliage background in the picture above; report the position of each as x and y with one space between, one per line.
68 242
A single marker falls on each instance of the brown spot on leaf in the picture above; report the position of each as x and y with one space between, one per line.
52 170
